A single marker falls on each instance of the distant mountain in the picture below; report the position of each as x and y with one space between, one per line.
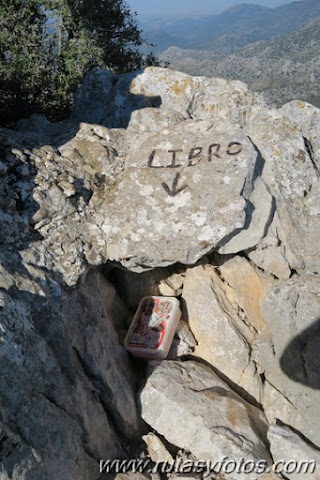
231 30
284 68
206 7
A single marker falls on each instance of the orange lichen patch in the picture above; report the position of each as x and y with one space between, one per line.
248 289
250 295
277 150
212 107
137 87
233 414
300 104
179 88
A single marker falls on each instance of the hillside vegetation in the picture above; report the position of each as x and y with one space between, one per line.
46 49
284 68
232 29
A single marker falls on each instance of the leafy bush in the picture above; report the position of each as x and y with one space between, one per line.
47 47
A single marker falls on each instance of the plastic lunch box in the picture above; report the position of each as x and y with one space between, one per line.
153 327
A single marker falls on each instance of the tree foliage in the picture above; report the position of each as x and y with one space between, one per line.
47 47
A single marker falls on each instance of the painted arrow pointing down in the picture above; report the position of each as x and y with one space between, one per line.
174 190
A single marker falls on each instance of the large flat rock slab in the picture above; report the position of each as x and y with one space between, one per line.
181 193
197 411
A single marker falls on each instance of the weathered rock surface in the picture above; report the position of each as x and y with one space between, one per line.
197 97
270 253
262 334
167 168
160 97
287 446
193 185
172 286
223 305
67 388
293 180
156 449
169 182
198 412
289 354
174 214
307 118
106 99
154 120
259 215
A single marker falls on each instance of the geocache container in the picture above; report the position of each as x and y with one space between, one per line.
153 327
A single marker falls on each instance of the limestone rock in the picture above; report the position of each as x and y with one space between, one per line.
198 412
185 334
284 200
171 286
287 446
156 449
92 98
46 195
185 342
270 254
198 97
153 120
289 354
203 166
223 306
307 119
80 195
174 214
106 99
175 89
230 99
62 374
258 219
263 335
293 180
179 348
249 289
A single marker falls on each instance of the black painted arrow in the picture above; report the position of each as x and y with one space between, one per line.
174 190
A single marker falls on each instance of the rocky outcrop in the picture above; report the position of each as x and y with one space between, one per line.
67 388
198 412
307 119
223 304
174 215
160 183
293 180
285 445
289 353
261 334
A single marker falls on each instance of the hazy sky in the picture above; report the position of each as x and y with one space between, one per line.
185 8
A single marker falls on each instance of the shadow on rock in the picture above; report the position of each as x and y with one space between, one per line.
301 358
104 98
67 388
17 203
